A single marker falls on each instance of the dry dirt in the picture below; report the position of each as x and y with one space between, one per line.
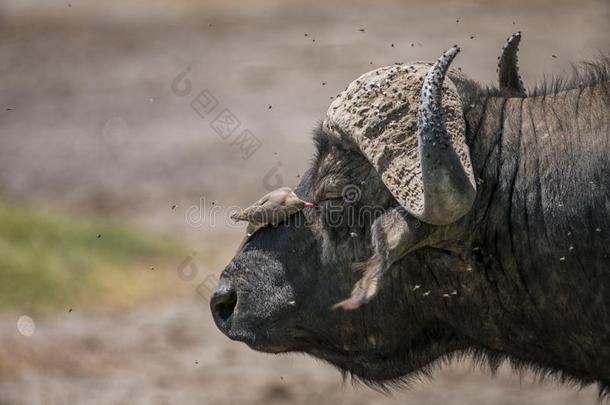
90 125
173 354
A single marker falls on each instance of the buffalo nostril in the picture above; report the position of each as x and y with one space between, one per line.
223 304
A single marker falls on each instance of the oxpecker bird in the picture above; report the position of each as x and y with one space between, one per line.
272 209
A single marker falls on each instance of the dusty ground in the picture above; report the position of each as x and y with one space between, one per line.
89 124
172 354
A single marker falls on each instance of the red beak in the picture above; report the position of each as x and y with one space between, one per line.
308 204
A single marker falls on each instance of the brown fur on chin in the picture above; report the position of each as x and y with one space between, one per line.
367 287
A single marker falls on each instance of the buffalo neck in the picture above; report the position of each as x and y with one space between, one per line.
538 251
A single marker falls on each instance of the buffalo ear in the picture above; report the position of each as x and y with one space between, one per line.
508 69
408 121
393 234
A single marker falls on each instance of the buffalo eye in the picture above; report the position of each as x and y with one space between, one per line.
330 188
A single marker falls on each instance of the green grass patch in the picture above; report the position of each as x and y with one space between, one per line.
50 261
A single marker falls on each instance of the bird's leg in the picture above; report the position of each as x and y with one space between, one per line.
253 228
393 234
249 232
242 243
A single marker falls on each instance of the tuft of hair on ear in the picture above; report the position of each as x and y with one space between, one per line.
368 285
366 265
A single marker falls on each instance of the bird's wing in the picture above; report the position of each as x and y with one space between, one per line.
264 213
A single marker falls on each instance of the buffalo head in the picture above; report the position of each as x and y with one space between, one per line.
392 178
444 264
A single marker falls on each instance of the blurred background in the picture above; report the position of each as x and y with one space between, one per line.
129 129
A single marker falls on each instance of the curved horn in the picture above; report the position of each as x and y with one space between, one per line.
448 189
508 71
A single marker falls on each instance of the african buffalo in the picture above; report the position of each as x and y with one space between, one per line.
480 217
